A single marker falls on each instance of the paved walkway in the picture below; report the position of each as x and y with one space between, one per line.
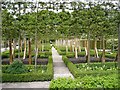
60 69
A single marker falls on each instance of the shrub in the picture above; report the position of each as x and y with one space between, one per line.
17 67
5 55
30 76
70 54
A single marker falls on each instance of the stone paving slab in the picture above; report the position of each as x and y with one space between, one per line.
44 84
60 69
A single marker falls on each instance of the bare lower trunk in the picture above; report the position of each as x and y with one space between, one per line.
66 46
10 46
24 56
79 47
14 48
76 53
88 49
95 48
21 46
85 44
103 53
30 59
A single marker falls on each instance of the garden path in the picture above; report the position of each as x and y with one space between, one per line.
60 69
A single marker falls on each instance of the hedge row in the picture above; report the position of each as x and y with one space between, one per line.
27 77
77 73
40 55
109 82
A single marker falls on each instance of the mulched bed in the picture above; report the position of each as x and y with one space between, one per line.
92 59
40 61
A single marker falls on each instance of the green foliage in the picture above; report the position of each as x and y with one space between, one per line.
108 66
83 69
43 73
87 82
17 67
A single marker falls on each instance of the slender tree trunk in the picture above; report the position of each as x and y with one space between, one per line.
70 46
73 46
66 45
95 48
36 50
76 53
88 49
85 45
21 45
30 59
103 53
24 56
42 46
10 49
14 48
79 47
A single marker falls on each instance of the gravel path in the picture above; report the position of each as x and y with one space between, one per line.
60 70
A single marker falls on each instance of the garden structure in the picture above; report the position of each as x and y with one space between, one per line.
60 44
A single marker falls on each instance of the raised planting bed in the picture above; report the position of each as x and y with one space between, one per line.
42 72
86 83
81 73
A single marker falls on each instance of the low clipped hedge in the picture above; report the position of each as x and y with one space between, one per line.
77 73
31 76
86 83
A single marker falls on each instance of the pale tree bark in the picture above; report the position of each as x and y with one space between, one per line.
103 53
70 45
95 48
76 53
66 45
21 45
42 46
73 46
14 48
85 45
79 45
88 48
24 56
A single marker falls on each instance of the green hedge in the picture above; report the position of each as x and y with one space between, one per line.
77 73
31 76
86 83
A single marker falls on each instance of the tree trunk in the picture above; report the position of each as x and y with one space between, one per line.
42 46
14 48
85 44
10 49
21 45
30 59
36 50
66 45
103 53
79 47
76 53
88 49
95 48
24 56
70 46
